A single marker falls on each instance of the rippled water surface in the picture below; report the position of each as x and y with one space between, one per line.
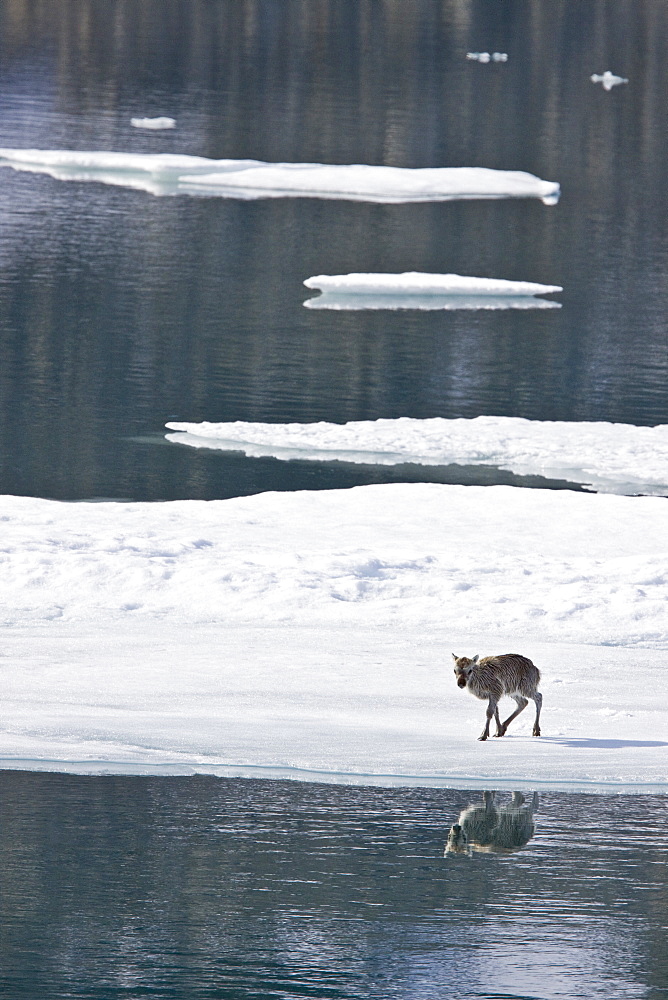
120 310
203 887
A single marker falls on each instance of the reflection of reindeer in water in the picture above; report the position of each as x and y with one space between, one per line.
493 830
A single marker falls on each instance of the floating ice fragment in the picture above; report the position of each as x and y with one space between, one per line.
608 79
156 123
611 458
419 290
170 174
485 57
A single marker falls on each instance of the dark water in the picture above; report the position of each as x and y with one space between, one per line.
225 888
119 310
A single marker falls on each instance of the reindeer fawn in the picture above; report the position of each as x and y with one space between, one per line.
494 676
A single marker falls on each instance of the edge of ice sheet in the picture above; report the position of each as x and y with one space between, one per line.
420 290
607 457
269 772
166 173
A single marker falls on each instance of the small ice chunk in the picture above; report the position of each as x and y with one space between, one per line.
421 283
154 123
608 79
485 57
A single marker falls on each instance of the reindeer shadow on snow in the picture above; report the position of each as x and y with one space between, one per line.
493 829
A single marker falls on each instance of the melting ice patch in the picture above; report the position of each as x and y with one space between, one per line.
309 634
485 57
420 290
169 174
609 458
608 79
153 123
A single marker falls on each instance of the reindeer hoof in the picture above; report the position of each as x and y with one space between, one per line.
536 731
501 732
482 738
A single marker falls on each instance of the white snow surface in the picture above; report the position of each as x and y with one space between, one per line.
613 458
309 635
167 173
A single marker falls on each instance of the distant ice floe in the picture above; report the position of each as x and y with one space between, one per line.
420 290
608 79
606 457
485 57
170 174
155 123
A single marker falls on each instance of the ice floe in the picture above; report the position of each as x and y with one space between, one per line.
485 57
608 79
153 123
169 174
420 290
607 457
310 635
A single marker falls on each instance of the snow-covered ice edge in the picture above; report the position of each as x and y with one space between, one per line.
607 457
169 174
261 772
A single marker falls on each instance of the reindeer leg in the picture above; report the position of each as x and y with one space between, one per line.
491 709
538 698
521 705
498 722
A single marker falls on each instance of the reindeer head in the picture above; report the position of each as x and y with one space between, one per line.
457 841
463 667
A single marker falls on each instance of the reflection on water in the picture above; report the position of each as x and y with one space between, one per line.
203 887
428 302
493 829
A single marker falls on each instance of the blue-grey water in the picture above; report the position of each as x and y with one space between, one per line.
231 888
120 311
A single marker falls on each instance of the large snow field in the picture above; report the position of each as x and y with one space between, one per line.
615 458
167 173
310 634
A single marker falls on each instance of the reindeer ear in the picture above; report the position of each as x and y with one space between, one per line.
475 658
455 657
